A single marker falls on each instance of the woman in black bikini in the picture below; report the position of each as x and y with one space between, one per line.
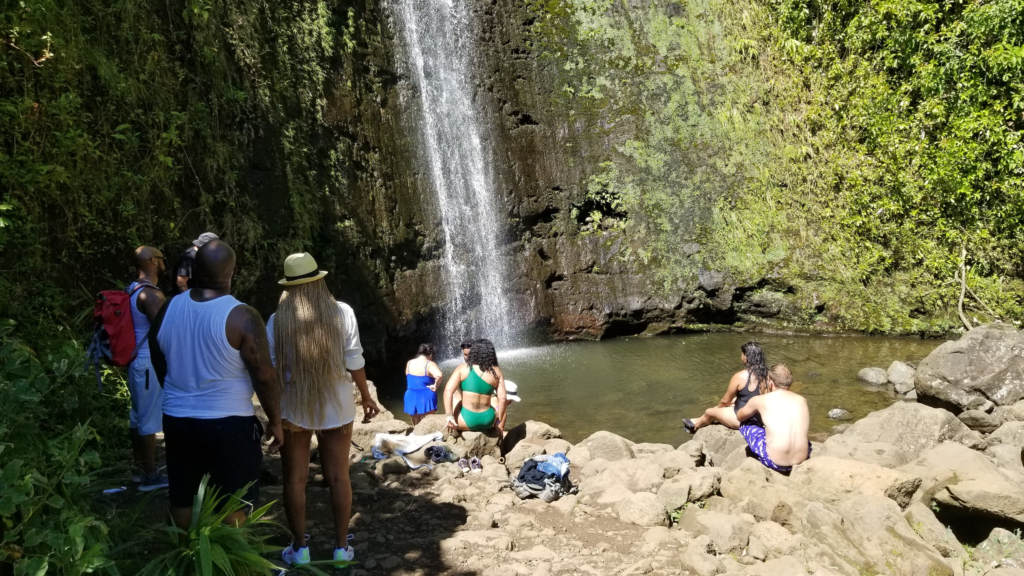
743 386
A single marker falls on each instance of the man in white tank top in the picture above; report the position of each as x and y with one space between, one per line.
146 416
210 352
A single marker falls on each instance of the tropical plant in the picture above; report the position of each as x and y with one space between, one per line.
211 547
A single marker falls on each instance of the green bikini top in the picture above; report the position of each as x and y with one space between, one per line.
475 384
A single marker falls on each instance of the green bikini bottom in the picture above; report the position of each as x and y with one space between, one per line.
477 421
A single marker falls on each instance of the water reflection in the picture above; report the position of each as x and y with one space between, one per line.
642 387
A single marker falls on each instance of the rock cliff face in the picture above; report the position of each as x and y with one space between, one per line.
577 271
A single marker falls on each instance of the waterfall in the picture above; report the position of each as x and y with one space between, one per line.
438 38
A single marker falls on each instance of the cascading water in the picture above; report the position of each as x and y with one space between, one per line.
437 37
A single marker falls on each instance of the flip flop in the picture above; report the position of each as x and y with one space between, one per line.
688 424
475 465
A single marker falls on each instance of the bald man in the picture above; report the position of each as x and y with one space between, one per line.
211 353
146 416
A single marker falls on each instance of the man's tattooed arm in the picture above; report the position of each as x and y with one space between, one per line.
256 356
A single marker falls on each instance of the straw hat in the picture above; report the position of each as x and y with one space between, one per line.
300 269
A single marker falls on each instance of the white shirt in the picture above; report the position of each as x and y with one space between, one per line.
333 417
205 376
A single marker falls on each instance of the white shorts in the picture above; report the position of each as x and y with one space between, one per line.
147 396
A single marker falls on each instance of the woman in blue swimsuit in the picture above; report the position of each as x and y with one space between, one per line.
743 386
421 377
477 379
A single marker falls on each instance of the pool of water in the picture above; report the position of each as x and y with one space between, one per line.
640 388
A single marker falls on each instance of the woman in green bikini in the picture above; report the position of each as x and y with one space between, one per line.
477 380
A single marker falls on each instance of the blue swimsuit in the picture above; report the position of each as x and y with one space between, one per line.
418 398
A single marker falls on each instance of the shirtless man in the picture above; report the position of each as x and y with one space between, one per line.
782 442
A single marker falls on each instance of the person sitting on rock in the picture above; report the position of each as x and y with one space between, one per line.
476 381
743 386
781 442
422 376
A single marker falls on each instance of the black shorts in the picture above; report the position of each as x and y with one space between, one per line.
229 449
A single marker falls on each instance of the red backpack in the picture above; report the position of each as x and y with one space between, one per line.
113 338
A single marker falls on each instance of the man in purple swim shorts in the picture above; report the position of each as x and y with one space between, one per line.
782 442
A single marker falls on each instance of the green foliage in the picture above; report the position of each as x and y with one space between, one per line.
846 150
210 547
49 461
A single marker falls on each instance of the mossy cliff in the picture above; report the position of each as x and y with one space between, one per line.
665 165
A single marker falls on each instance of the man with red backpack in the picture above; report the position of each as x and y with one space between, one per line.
146 416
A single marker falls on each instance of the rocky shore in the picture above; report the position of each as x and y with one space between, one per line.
911 489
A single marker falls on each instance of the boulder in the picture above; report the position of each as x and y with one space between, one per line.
524 450
839 414
529 429
878 453
695 450
901 375
696 559
728 533
718 442
981 421
832 481
913 428
923 521
556 445
967 482
691 486
777 540
984 365
873 376
642 509
871 533
641 475
579 456
649 449
363 434
1007 456
608 446
1012 413
674 462
785 565
1009 433
430 424
479 444
1002 548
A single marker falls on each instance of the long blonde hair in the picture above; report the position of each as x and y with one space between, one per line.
309 341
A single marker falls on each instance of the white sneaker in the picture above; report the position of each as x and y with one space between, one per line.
293 557
346 554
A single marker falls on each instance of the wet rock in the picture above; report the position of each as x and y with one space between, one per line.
839 414
981 421
923 522
913 428
967 482
873 376
901 375
1008 433
608 446
984 365
642 509
1002 548
718 443
831 481
878 453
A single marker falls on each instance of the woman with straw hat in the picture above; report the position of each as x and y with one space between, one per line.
314 342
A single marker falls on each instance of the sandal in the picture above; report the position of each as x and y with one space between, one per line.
464 465
475 466
688 424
